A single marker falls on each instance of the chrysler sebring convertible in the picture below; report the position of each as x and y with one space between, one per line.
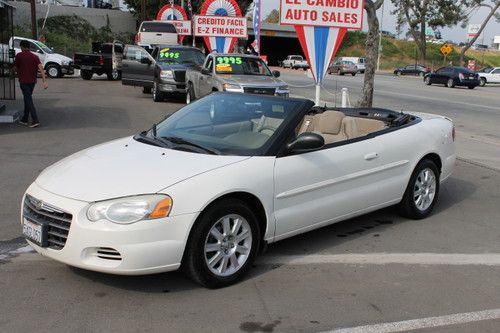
206 188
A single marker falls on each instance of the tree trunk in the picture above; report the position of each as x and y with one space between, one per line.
371 49
473 40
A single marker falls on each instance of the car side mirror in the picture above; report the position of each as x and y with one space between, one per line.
306 142
276 73
205 71
146 60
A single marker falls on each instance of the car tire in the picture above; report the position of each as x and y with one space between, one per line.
428 81
190 95
421 74
353 74
450 83
114 75
158 96
471 87
482 82
338 71
146 90
398 73
86 75
422 191
53 71
222 244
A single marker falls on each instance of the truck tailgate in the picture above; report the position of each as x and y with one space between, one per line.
88 59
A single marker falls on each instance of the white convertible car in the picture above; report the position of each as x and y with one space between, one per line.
207 187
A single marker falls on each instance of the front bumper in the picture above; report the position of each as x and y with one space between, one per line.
172 87
68 69
144 247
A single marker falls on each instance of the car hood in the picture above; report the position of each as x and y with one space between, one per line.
58 57
125 167
252 80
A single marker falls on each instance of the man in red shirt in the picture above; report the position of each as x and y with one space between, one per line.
27 65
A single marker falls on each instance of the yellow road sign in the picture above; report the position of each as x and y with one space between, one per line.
446 49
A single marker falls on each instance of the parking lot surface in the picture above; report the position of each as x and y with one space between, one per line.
375 273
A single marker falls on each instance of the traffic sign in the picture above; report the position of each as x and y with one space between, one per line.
446 49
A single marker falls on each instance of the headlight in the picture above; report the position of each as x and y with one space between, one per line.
283 88
166 74
231 87
65 62
131 209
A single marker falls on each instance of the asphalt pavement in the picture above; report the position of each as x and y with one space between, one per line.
375 273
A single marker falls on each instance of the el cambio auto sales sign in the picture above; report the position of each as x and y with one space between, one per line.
327 13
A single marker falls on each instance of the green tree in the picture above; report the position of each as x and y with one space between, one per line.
153 6
417 15
273 17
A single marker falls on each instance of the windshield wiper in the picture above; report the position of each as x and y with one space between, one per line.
142 137
184 142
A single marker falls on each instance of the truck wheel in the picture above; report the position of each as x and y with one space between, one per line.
158 96
146 90
53 71
114 75
86 75
190 96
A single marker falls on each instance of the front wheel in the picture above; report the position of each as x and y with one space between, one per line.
471 87
146 90
422 191
158 96
53 71
222 245
353 74
482 82
190 96
114 75
86 75
427 81
450 83
421 74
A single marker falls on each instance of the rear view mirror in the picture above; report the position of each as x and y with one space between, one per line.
305 142
205 71
276 73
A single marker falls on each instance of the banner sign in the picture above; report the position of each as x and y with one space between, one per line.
323 13
257 23
178 17
183 27
221 9
220 26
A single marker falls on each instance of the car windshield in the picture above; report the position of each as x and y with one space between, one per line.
237 65
485 70
223 123
44 47
179 56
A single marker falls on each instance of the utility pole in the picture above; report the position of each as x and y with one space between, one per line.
380 37
34 33
143 10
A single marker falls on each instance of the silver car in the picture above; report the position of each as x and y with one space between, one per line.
241 73
342 67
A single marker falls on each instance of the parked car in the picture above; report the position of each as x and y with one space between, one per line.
209 186
152 33
342 67
388 34
453 76
56 65
243 73
105 58
358 61
419 70
295 62
161 72
489 75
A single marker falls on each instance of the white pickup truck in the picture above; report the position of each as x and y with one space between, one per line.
156 33
489 75
295 62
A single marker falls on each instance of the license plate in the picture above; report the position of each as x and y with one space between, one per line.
471 77
35 232
86 67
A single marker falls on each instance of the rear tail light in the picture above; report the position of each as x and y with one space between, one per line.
460 76
101 60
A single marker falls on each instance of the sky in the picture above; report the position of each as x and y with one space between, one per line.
456 34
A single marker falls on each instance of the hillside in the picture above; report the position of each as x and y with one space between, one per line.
396 53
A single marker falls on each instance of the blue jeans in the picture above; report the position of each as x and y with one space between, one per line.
29 107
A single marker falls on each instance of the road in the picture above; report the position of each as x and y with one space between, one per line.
377 272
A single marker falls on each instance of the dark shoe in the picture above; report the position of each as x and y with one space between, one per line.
22 122
34 125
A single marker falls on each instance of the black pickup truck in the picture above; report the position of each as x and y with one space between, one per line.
162 72
106 58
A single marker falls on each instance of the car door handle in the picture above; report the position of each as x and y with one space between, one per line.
371 156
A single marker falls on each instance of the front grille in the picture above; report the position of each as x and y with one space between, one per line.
108 253
260 91
180 76
57 220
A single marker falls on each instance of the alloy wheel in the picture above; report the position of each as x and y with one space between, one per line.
425 189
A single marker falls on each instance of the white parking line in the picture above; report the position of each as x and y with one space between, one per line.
485 259
430 322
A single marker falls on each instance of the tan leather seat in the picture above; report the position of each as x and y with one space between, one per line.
329 124
355 127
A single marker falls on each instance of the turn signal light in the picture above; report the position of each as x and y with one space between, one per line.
162 208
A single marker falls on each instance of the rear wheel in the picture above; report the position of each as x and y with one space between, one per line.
398 73
471 87
222 245
482 82
427 81
422 191
353 74
86 75
421 74
450 83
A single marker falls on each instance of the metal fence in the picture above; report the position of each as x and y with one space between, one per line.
7 83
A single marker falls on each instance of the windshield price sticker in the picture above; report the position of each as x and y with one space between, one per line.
167 54
229 60
223 68
327 13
